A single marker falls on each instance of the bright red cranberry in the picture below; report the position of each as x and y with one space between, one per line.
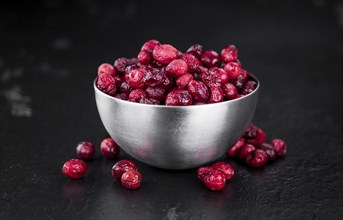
270 151
280 147
107 84
125 87
225 168
229 53
177 68
121 63
144 57
106 69
164 53
121 167
217 95
258 139
154 77
203 171
179 97
215 180
215 76
109 148
192 62
183 80
129 68
195 50
230 91
249 87
245 150
240 80
210 58
85 150
136 95
168 83
257 158
157 93
149 45
233 69
131 179
149 101
235 149
74 168
122 96
198 90
136 78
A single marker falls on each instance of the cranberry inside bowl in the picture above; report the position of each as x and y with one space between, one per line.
176 137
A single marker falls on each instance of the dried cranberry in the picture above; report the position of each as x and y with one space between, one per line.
257 158
179 97
225 168
157 93
215 180
192 62
210 58
249 87
154 77
109 148
136 78
121 63
136 95
106 69
164 53
131 179
125 88
258 139
235 149
74 168
245 150
149 101
270 151
240 80
107 84
215 76
230 91
203 171
122 96
233 69
251 131
229 53
280 147
183 80
85 150
129 68
168 83
195 50
149 45
121 167
216 95
132 61
144 57
198 90
177 68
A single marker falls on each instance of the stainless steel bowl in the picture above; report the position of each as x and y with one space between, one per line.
176 137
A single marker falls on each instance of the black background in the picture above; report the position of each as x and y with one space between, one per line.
49 53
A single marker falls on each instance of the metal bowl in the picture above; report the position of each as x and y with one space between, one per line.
176 137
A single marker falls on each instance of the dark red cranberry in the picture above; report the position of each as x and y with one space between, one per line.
106 69
144 57
168 83
229 53
217 95
249 87
177 68
109 148
129 68
149 101
215 180
245 150
258 139
74 168
136 95
195 50
121 63
125 87
198 90
241 79
157 93
154 77
210 58
233 69
122 96
131 179
270 151
280 147
192 62
235 149
136 78
257 158
183 80
250 132
225 168
149 45
164 53
85 150
121 167
230 91
215 76
203 171
179 97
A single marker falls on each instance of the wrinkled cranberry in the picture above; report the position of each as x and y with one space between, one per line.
230 91
216 95
280 147
149 45
195 50
177 68
122 96
210 58
168 83
203 171
240 80
192 62
258 139
257 158
109 148
183 80
129 68
164 53
198 90
136 78
121 167
249 87
229 53
85 150
233 69
74 168
179 97
136 95
251 131
245 150
215 180
270 151
131 179
106 69
157 93
215 76
154 78
107 84
144 57
149 101
125 87
121 63
235 149
225 168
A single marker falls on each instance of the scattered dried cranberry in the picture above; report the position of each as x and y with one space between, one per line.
257 158
270 151
179 97
177 68
136 95
195 50
245 150
259 138
74 168
164 53
216 95
198 90
85 150
229 53
280 147
215 180
183 80
230 91
204 171
109 148
121 63
225 168
235 149
121 167
210 58
131 179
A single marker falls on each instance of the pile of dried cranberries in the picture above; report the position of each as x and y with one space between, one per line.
162 75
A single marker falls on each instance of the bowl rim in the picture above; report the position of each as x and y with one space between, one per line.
178 106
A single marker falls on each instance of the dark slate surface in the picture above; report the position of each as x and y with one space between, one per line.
49 54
